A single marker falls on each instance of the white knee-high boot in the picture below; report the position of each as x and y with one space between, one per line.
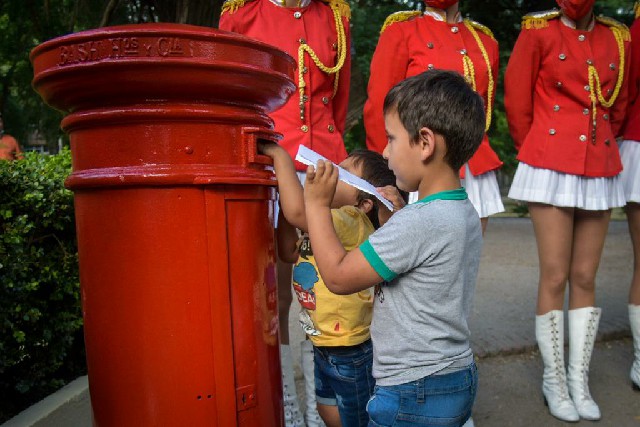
583 326
292 415
634 321
308 370
550 338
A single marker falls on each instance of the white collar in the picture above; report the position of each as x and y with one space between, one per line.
440 15
303 3
572 24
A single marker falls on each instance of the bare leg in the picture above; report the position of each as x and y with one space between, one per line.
483 223
330 415
589 232
553 228
284 298
633 217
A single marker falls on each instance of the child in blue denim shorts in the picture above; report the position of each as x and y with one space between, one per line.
337 325
427 255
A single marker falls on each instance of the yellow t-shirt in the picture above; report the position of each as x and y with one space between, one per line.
329 319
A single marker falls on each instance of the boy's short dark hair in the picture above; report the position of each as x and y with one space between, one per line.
375 169
445 103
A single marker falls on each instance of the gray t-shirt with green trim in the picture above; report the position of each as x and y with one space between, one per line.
428 253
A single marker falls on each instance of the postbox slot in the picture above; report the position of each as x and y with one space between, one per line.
251 136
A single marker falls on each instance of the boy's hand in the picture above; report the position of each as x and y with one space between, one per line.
392 194
321 183
269 148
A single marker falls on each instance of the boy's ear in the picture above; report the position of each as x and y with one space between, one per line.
427 141
366 205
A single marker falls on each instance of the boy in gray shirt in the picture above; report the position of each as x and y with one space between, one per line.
428 254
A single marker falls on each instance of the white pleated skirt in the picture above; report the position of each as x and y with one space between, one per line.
483 191
531 184
630 175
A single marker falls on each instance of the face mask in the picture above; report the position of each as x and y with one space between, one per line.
575 9
440 4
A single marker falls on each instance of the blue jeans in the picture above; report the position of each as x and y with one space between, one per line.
436 400
343 378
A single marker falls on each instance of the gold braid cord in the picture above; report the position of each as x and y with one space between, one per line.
469 71
537 21
231 6
636 9
595 93
399 17
336 8
342 6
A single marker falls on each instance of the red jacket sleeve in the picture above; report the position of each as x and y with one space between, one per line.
228 23
519 85
341 102
388 67
634 75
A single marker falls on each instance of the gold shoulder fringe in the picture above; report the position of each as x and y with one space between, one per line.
401 16
483 28
342 5
610 22
538 20
636 9
232 5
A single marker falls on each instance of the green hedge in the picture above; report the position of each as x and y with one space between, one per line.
41 346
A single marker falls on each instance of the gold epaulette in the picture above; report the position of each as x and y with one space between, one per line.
610 22
342 5
483 28
401 16
539 20
232 5
636 9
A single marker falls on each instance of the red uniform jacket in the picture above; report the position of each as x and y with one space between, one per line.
411 47
286 28
632 126
9 148
548 104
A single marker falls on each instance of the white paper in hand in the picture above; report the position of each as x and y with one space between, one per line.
310 157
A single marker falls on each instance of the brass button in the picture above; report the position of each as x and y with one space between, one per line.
558 84
552 131
556 108
297 14
325 100
305 70
463 52
331 128
587 88
562 57
585 111
430 45
430 66
454 29
304 128
334 46
605 116
583 138
305 98
302 41
589 62
581 37
607 142
612 66
609 91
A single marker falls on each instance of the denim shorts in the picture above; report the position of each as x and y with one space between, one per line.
436 400
344 378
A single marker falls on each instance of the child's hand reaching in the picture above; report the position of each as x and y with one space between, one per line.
269 148
392 194
321 183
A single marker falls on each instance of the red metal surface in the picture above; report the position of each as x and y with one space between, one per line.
174 215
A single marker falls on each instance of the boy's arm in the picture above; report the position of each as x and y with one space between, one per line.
287 238
343 272
289 187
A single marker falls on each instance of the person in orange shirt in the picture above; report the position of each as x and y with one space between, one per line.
9 147
316 33
412 42
565 98
630 176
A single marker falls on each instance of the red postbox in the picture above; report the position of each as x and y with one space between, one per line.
174 212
